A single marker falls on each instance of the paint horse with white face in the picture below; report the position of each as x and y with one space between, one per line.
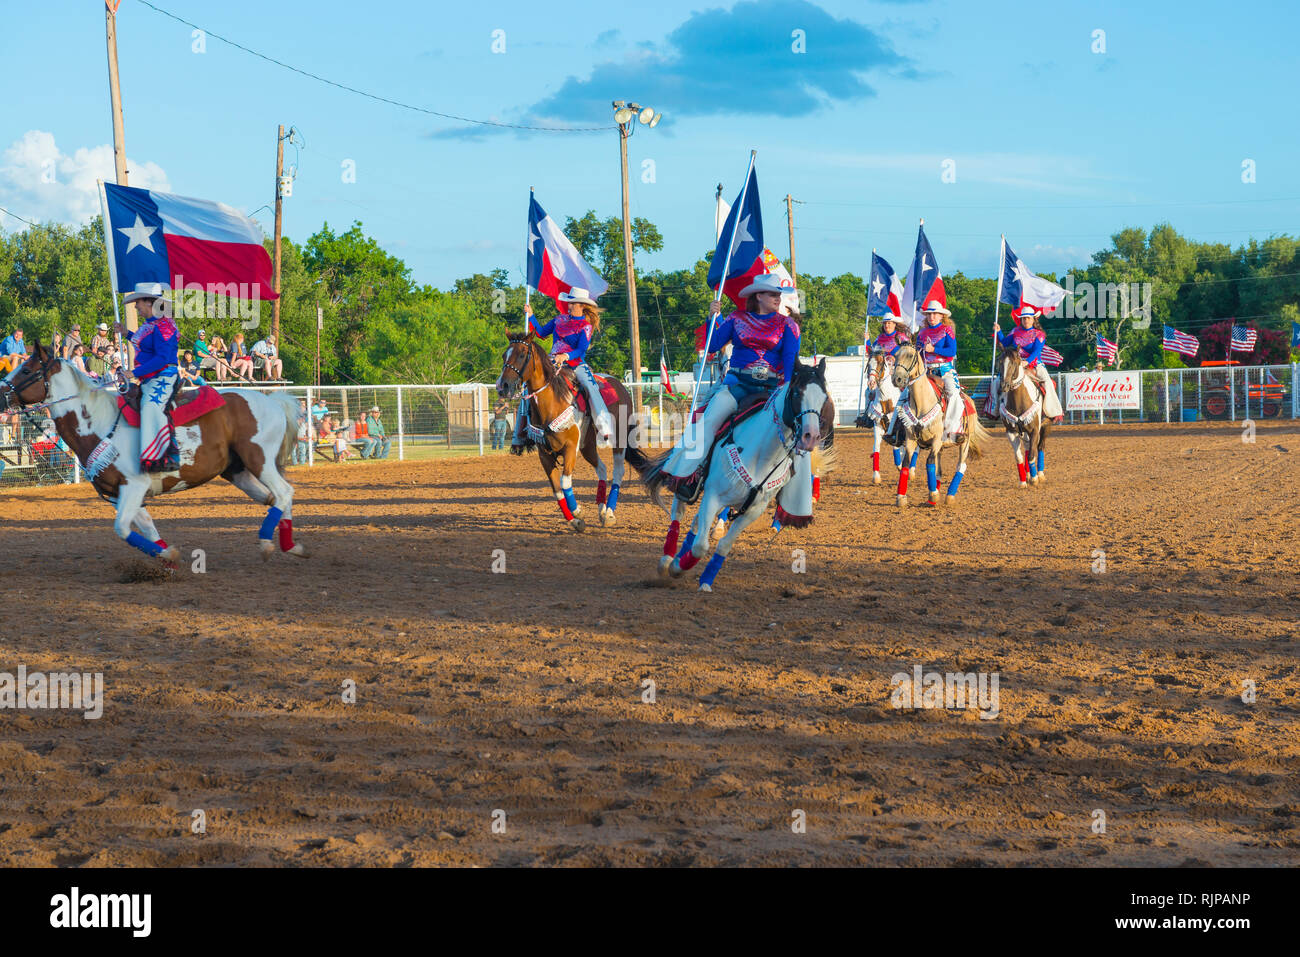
560 428
882 398
243 436
1022 416
922 412
763 453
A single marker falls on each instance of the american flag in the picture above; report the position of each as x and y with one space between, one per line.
1051 357
1180 342
664 381
1107 351
1243 339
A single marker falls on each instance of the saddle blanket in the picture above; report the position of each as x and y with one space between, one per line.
205 400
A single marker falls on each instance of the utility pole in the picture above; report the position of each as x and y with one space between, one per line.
789 218
279 200
633 320
119 126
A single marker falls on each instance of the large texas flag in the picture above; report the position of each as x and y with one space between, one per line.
924 283
743 233
180 242
1020 287
554 263
885 293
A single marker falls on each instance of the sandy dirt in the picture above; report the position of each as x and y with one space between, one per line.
1119 690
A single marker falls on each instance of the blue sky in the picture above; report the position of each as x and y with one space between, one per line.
1052 143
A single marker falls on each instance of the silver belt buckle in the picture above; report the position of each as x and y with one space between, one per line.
758 371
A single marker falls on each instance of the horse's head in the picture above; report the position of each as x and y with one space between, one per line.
1013 366
809 412
29 384
880 364
908 367
515 362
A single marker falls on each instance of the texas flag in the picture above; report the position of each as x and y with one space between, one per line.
1020 287
664 381
924 283
181 242
554 263
885 293
743 233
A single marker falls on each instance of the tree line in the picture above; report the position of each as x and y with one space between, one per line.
380 326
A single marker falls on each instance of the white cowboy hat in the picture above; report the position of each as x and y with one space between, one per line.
103 326
375 408
934 305
147 290
1024 311
577 294
765 282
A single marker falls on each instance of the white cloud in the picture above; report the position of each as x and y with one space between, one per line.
42 183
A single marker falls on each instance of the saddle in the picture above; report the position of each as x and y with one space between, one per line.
580 394
183 406
688 489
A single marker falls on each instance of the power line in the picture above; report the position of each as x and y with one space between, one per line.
929 205
373 96
17 217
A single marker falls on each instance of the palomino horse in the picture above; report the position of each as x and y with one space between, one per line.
922 414
1025 423
746 472
882 397
560 431
246 440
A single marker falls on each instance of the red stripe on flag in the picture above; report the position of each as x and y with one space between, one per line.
208 263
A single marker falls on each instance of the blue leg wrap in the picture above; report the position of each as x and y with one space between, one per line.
956 481
267 531
898 457
914 455
724 515
570 500
1033 469
931 477
1041 459
711 569
142 543
686 545
612 501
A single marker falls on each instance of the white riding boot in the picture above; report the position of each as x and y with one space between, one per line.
689 452
599 411
1051 401
952 420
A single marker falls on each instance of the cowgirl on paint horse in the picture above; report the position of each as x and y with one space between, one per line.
572 335
1029 339
938 347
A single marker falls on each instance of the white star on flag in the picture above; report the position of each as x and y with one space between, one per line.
924 266
533 237
876 286
742 234
138 235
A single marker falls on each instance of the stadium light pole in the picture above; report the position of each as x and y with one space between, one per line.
627 115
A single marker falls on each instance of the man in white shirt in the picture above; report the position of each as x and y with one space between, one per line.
265 348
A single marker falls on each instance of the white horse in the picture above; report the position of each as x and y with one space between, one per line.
767 456
882 397
247 441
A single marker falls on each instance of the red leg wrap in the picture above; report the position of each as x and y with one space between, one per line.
902 479
286 534
875 461
817 488
670 543
1023 470
600 493
688 561
564 508
161 544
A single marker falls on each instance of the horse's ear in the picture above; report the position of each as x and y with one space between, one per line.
821 368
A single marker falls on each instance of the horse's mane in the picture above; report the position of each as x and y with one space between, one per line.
554 379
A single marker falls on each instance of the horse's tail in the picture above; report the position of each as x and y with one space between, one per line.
979 436
825 459
289 405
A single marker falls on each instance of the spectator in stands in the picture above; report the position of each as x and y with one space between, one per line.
78 357
203 353
500 424
189 370
56 343
343 436
301 447
100 348
361 432
240 361
13 351
218 352
377 432
319 411
325 430
73 340
272 366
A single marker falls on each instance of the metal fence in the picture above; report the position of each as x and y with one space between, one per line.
410 422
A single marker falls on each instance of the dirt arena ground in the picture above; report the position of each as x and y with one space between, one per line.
1120 691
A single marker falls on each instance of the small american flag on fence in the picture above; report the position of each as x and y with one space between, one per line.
1051 357
1243 339
1107 351
1180 342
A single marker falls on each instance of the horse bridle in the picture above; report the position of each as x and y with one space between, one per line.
16 385
899 364
792 419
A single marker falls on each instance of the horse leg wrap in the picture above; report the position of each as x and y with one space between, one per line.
956 479
931 477
898 458
286 534
570 502
914 455
1033 469
875 461
1041 459
685 559
161 544
1024 472
902 481
269 524
152 549
600 493
817 488
670 543
613 497
564 509
711 569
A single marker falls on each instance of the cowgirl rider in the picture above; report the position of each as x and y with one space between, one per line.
1029 339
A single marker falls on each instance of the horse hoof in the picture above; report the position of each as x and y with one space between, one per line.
1024 485
1042 478
934 498
675 569
720 529
951 500
705 586
664 562
902 501
266 546
578 525
911 473
607 516
875 478
170 555
298 549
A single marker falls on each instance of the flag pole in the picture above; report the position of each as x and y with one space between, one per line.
722 280
866 332
528 243
997 301
112 273
912 330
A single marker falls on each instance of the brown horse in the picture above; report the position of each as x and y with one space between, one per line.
560 429
246 439
1026 425
922 414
